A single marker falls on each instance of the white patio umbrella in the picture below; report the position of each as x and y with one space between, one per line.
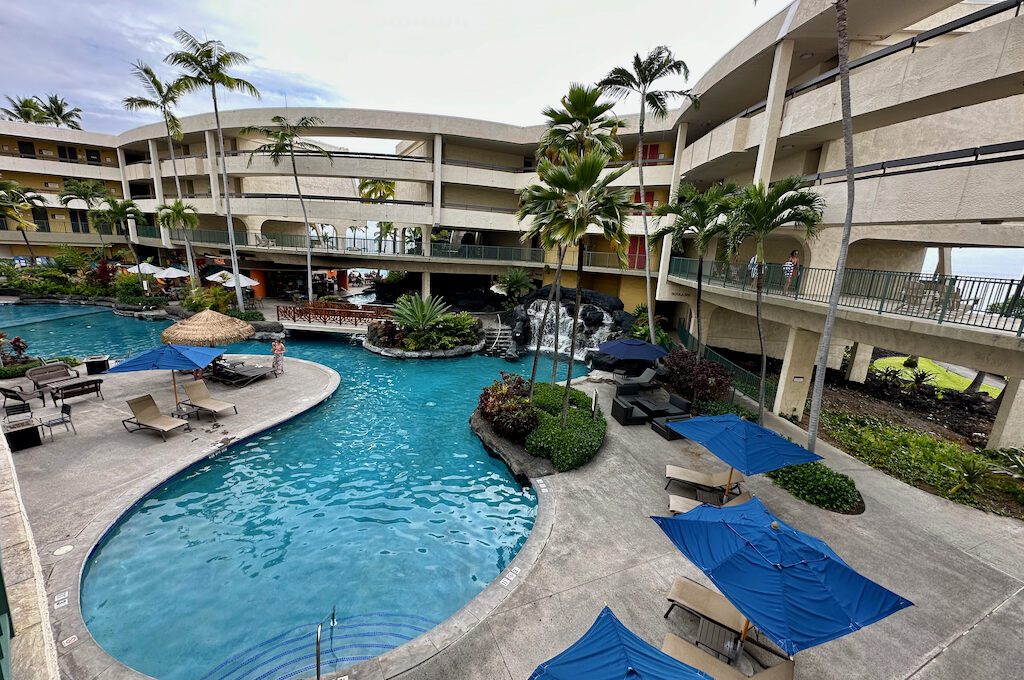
144 268
228 280
171 273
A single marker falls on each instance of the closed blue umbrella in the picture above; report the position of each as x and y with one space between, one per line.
170 358
743 444
791 586
610 651
632 349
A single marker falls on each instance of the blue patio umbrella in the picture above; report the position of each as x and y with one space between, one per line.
170 358
610 651
791 586
632 349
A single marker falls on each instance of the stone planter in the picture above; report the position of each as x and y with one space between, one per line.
396 353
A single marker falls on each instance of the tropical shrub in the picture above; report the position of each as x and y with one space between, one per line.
447 332
697 379
414 313
506 404
548 398
571 446
517 282
71 260
720 408
217 298
493 397
129 291
18 370
639 328
819 485
246 314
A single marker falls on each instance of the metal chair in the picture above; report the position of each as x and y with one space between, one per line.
63 419
16 413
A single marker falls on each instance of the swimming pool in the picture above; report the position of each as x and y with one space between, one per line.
380 504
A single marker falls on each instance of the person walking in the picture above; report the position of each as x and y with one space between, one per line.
277 347
790 270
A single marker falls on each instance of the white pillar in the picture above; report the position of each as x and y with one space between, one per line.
425 284
1008 430
944 267
860 362
797 370
212 171
133 232
401 240
677 161
437 182
158 187
776 102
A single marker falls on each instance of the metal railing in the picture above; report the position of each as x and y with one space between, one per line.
480 208
743 380
148 231
210 236
593 258
502 253
968 300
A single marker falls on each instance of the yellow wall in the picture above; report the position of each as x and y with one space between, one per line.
9 146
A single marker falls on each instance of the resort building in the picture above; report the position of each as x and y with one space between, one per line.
938 111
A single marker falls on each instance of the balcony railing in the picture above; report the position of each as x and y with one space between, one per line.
147 231
611 260
500 253
969 300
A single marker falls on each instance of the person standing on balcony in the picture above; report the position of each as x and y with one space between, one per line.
790 270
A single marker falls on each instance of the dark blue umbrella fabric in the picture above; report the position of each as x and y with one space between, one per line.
632 348
742 444
169 358
610 651
791 586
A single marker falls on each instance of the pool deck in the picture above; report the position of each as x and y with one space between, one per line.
963 568
75 487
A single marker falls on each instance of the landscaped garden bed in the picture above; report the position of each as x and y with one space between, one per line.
424 328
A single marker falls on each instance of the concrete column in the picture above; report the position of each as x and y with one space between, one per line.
158 187
1008 429
213 170
663 264
437 182
401 240
860 362
425 232
706 310
425 284
797 369
677 161
133 232
944 267
773 111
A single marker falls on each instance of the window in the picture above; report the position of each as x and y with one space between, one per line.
637 256
41 219
27 149
648 197
79 224
649 152
68 154
92 156
3 223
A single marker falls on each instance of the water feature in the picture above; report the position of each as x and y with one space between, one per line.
588 335
380 502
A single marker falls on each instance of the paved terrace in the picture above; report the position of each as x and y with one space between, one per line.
964 569
75 487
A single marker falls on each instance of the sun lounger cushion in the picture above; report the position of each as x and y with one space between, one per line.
199 396
683 651
681 504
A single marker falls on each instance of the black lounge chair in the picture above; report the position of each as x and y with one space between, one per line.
625 413
240 376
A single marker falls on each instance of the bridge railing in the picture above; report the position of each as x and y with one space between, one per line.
968 300
333 313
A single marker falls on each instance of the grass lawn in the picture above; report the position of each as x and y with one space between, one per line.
944 377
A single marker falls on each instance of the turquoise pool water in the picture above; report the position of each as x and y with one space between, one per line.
380 504
79 330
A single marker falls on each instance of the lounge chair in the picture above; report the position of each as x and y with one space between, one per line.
660 425
146 416
689 654
645 379
680 504
19 393
199 396
705 603
240 376
715 481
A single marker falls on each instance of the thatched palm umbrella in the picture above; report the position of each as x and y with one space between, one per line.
208 329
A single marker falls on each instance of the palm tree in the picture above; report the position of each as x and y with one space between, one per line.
162 97
379 190
659 63
57 112
116 214
570 199
14 200
757 213
180 215
843 40
702 215
206 63
284 139
92 193
23 110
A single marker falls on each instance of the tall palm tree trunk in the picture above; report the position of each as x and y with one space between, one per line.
979 380
305 222
760 334
540 336
190 257
557 284
31 254
575 324
227 201
821 362
700 291
643 217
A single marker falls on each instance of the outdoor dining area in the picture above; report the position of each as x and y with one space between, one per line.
776 590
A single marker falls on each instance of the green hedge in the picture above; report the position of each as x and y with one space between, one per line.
720 408
18 370
548 398
571 446
819 485
246 315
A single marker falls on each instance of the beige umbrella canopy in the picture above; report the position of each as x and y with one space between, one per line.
208 329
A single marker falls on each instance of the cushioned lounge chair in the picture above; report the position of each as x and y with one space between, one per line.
240 376
715 481
645 379
200 397
681 504
146 416
705 603
689 654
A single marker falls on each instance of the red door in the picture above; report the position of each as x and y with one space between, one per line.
637 257
649 152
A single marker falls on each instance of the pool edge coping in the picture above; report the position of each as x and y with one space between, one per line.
86 643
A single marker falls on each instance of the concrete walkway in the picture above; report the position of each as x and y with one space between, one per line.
964 569
75 487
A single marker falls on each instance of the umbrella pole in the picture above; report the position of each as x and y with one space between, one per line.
728 487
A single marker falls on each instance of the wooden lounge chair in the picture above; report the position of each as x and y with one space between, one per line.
715 481
681 504
146 416
689 654
199 396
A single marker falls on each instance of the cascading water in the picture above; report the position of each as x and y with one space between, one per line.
588 336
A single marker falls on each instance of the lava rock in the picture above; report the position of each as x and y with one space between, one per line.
511 354
608 303
592 316
622 321
599 361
